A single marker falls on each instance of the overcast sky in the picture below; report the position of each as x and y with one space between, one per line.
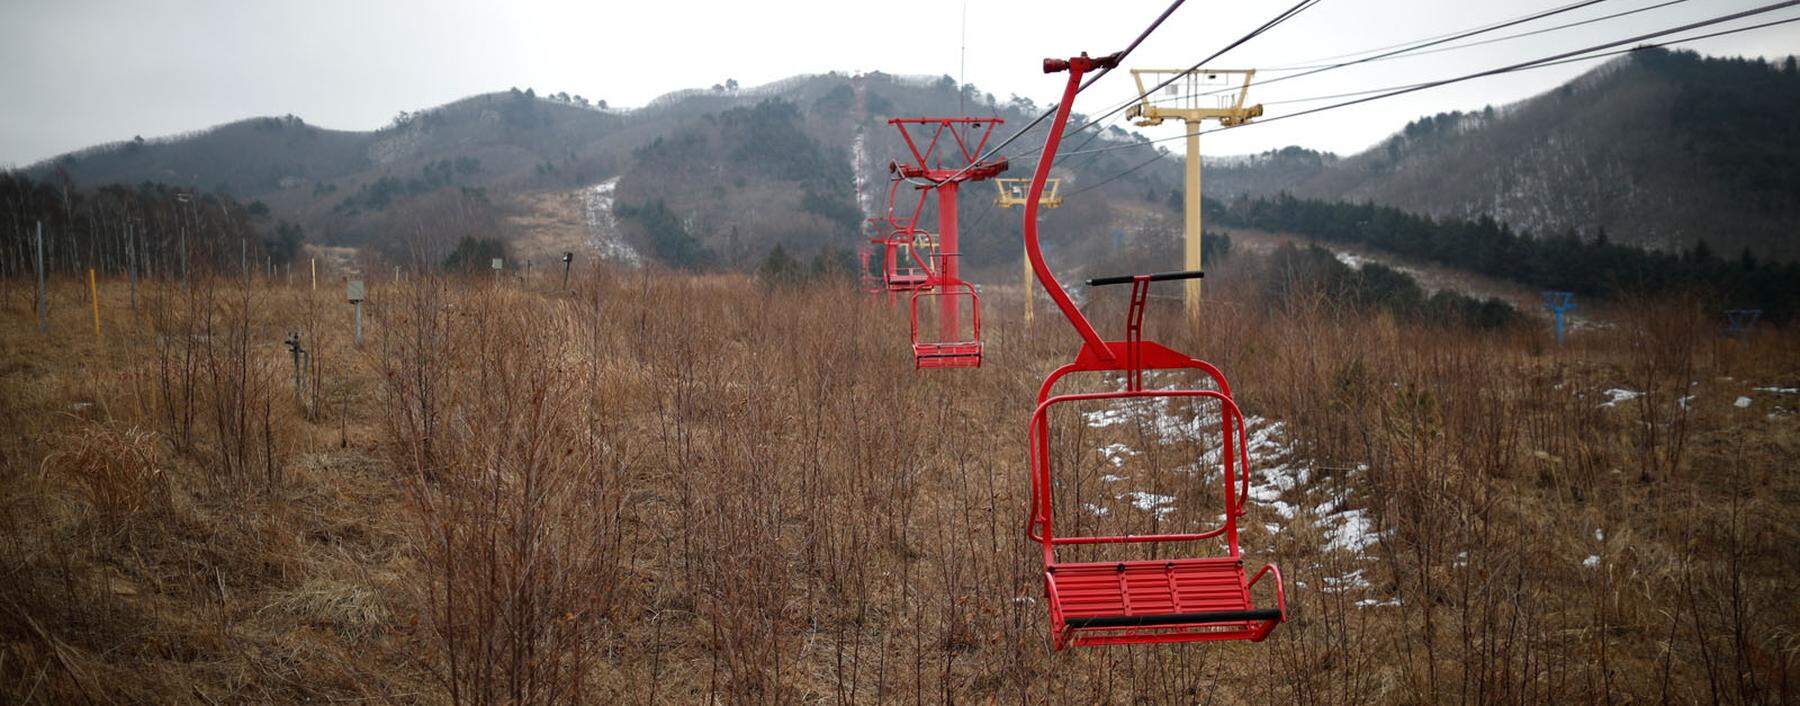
74 73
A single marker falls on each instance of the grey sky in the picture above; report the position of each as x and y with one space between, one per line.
77 73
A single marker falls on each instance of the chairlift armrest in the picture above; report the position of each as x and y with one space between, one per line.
1280 593
1158 277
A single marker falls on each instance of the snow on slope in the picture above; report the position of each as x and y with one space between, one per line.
603 227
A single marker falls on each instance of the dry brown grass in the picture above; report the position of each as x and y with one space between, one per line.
673 488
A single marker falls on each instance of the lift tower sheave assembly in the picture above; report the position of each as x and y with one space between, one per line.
928 170
1012 193
1193 97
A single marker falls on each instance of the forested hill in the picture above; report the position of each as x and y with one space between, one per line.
707 177
1659 148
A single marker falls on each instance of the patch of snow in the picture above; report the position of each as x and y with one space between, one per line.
1742 403
1620 394
1339 584
859 151
1353 532
1592 561
1117 453
1599 535
1094 510
603 227
1779 390
1377 603
1110 478
1150 501
1684 401
1353 260
1102 418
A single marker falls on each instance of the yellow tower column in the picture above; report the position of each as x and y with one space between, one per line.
1013 193
1191 247
1185 101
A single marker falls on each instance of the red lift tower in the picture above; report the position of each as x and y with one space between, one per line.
928 171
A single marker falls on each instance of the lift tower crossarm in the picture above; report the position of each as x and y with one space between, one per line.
969 169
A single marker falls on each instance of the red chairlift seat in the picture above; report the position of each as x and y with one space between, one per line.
1148 600
962 353
907 260
1156 600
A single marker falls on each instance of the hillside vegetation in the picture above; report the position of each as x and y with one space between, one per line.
1658 149
665 487
1661 149
707 178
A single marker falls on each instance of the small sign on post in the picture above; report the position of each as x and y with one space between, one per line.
568 257
355 294
1740 321
497 264
302 360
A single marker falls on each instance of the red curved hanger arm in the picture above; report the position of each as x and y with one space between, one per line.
1076 67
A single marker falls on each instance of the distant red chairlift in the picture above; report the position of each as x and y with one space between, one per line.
909 262
1143 601
907 253
867 280
957 351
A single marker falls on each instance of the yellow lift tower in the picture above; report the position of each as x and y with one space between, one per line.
1013 193
1193 97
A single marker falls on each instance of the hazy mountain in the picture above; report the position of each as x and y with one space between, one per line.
711 176
1659 148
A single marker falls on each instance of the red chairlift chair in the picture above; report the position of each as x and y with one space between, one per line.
908 261
907 253
1148 600
960 353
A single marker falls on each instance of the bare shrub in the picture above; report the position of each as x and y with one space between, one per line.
514 484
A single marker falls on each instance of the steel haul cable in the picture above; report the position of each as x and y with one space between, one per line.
1556 60
1494 72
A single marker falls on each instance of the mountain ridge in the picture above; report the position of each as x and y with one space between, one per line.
1658 148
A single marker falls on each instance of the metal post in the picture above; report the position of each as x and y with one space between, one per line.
184 260
315 274
293 344
94 298
1191 247
131 265
354 292
947 257
43 302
